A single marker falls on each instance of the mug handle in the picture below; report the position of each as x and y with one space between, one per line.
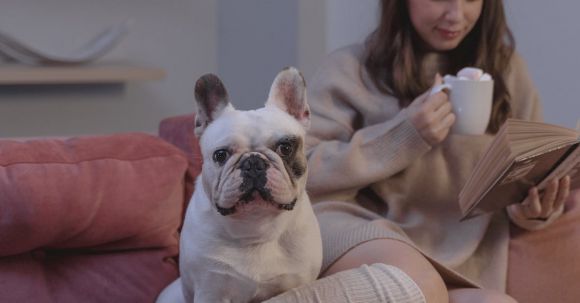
439 88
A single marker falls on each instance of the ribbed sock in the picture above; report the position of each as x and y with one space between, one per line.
378 283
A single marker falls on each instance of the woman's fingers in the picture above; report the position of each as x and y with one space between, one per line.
445 116
432 115
532 207
425 114
537 206
521 209
563 192
548 199
445 125
443 110
434 118
436 101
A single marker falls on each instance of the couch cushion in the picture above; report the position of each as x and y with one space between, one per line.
61 277
89 219
113 192
544 265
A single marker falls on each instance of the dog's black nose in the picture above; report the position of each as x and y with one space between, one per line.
253 170
253 166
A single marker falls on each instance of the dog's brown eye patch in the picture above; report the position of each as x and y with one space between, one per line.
294 162
298 168
286 147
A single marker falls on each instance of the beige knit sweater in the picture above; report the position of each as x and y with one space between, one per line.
371 175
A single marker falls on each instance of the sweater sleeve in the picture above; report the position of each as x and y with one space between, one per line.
343 154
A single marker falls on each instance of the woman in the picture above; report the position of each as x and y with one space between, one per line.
386 168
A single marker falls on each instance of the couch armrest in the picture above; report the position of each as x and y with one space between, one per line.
179 131
544 265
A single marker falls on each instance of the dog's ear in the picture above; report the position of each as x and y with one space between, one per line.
288 92
212 100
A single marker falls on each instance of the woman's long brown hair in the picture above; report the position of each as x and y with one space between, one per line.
394 55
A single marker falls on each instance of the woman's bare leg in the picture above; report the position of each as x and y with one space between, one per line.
398 254
414 264
475 295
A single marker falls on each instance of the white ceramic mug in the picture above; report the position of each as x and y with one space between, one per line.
471 101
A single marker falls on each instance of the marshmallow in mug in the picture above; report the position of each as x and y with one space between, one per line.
466 73
469 73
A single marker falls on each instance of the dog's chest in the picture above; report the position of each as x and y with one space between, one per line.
274 269
266 263
263 270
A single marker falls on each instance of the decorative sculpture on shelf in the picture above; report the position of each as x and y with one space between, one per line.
16 50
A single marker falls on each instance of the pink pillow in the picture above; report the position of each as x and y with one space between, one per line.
113 192
544 265
89 219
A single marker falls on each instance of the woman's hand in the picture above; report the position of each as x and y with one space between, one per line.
432 115
540 208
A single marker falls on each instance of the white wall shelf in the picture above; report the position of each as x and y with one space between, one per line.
15 74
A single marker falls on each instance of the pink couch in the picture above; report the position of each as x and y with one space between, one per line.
96 219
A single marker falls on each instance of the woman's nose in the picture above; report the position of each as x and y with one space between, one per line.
454 11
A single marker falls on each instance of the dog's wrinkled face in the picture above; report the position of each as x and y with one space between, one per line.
253 161
248 165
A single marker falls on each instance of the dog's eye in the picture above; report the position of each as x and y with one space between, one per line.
220 156
284 149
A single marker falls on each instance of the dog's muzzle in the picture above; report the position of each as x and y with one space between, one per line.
254 175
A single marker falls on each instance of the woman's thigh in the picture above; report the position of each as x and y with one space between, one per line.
474 295
401 255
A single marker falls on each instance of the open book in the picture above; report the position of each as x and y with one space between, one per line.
523 154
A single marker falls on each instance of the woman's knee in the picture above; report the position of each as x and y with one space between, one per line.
400 255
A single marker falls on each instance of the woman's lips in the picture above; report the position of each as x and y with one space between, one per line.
449 34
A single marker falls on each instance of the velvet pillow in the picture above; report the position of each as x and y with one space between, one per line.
89 219
122 191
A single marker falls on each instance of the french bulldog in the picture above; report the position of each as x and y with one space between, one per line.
249 232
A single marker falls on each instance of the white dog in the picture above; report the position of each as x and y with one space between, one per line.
250 232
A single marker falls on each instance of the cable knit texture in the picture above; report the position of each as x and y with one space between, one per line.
378 283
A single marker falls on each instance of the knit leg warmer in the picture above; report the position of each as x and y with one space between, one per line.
378 283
